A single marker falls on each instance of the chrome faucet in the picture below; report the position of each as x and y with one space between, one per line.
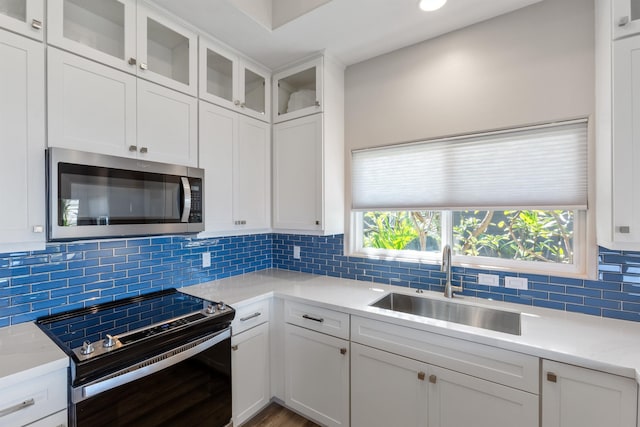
446 268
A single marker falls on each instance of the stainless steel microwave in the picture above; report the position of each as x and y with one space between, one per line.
96 196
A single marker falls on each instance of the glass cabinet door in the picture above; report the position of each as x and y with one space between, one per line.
23 16
626 18
218 75
255 92
298 91
103 30
167 52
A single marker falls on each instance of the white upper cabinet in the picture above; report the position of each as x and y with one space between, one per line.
151 46
626 18
104 30
234 83
167 52
298 91
25 17
22 220
235 152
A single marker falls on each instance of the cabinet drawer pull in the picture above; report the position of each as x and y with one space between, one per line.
144 150
234 347
421 376
315 319
624 229
343 351
254 315
433 379
133 148
624 21
18 407
551 377
36 24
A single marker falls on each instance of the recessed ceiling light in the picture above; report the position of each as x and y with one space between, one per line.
431 5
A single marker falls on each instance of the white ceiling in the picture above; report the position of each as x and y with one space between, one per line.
350 30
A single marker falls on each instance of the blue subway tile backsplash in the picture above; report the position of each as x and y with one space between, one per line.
66 276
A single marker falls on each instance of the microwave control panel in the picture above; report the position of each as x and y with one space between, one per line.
196 200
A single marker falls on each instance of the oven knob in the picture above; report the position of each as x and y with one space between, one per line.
87 348
211 309
222 306
109 341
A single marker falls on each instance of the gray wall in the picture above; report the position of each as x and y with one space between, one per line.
530 66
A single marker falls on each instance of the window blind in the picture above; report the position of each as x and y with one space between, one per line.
542 167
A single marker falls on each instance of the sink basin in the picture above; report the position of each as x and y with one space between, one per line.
471 315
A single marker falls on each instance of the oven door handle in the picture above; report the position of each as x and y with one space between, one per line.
186 201
148 367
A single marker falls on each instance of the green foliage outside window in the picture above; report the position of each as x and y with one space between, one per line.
543 236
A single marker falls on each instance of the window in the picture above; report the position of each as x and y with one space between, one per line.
514 199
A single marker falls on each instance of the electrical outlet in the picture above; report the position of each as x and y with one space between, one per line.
296 252
516 282
206 259
488 279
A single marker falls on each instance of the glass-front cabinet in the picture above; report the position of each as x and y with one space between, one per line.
25 17
107 31
231 82
626 18
298 91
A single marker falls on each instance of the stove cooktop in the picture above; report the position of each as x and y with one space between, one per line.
107 336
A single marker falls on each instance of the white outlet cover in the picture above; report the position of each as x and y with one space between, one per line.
296 252
206 259
516 282
488 279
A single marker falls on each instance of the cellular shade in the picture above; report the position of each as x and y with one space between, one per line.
542 167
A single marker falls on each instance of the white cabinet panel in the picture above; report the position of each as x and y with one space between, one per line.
297 174
579 397
25 17
317 375
23 143
386 389
250 372
626 18
91 107
461 400
167 125
235 153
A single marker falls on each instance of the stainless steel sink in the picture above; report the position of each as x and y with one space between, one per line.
471 315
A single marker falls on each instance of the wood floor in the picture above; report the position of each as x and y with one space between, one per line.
275 415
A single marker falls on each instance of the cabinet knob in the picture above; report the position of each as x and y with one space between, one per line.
144 150
317 222
243 105
144 66
317 103
623 22
433 379
236 102
133 148
421 376
38 229
234 347
132 61
551 377
343 350
36 24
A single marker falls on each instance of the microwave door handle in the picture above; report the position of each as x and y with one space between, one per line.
187 199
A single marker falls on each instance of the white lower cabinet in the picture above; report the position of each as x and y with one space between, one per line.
457 399
387 389
59 419
577 397
250 372
316 370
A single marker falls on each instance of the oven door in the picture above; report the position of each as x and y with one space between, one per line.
189 386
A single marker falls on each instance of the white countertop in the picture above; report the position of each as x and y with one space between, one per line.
604 344
26 352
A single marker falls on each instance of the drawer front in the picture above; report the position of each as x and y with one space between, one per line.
505 367
251 315
33 399
59 419
317 319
